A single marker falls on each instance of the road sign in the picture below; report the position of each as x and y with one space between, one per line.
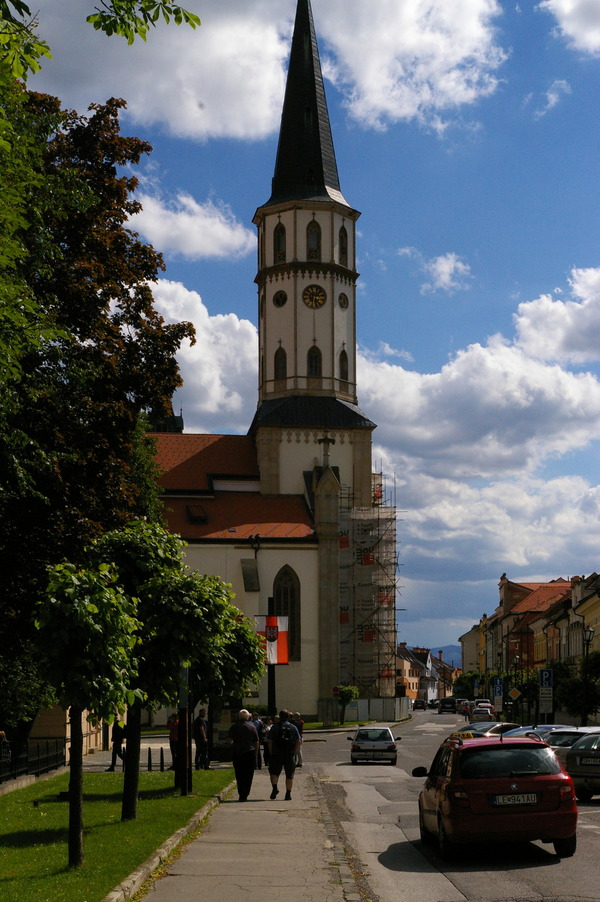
546 681
514 694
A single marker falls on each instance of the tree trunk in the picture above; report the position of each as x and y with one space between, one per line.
132 762
76 790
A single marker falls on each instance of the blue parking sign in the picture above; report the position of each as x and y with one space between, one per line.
545 677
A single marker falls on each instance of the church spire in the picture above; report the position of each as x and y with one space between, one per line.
305 168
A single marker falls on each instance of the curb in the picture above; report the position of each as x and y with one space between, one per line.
131 884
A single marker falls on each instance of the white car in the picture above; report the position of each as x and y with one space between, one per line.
374 744
483 712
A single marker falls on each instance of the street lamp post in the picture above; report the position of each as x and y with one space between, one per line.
588 635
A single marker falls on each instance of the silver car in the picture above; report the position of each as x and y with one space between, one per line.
374 744
583 765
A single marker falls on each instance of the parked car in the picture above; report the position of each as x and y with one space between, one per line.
583 764
479 730
560 741
447 706
419 704
460 705
483 712
374 744
433 703
539 731
498 790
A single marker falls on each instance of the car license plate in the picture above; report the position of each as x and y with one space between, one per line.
519 798
589 761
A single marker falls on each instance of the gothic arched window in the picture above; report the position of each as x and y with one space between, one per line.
343 246
286 601
279 243
314 362
343 366
313 240
280 362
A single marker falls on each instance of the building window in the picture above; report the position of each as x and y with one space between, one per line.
313 240
343 246
343 366
314 362
286 601
279 243
280 364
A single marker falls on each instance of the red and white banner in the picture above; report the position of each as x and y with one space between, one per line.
274 630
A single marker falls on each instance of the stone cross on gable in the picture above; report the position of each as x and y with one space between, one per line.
326 441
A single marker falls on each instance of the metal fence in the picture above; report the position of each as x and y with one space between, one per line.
38 757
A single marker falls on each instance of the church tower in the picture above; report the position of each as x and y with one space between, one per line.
307 297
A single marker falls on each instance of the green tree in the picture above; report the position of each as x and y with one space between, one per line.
185 619
87 628
346 694
91 353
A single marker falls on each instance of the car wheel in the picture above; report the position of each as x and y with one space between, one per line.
583 794
446 847
353 760
425 834
565 848
393 762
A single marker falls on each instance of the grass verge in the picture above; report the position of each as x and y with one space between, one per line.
33 833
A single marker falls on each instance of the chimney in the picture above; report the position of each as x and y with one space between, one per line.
441 655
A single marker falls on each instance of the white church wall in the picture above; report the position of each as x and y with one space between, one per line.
297 682
302 452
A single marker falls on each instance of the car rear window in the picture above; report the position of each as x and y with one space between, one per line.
589 742
561 740
373 736
507 762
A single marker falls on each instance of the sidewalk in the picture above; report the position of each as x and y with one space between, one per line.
260 851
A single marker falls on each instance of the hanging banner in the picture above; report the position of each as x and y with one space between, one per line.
274 630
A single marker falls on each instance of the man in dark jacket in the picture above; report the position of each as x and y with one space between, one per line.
244 737
284 742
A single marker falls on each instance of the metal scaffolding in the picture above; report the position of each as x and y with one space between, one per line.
368 589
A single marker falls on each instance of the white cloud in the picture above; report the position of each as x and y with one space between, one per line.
423 60
491 412
416 60
446 273
578 22
185 228
553 96
219 370
567 330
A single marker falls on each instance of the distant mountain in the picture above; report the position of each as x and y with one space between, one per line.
452 653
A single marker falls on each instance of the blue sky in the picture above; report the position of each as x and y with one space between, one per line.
467 133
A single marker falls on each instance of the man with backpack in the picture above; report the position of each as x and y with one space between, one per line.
284 742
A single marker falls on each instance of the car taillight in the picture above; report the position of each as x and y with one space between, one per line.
355 747
391 747
567 793
458 796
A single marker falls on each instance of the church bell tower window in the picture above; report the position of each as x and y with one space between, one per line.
279 243
280 364
314 362
313 241
343 246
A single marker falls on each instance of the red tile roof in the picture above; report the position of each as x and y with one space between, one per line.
542 597
233 516
189 460
199 512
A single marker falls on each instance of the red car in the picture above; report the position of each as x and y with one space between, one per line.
497 790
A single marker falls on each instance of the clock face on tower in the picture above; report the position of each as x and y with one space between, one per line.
314 296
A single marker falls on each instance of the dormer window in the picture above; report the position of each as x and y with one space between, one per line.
313 240
279 243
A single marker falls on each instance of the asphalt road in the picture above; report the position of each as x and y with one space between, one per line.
375 808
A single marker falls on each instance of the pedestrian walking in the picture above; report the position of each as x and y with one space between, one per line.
200 734
244 737
260 729
116 737
284 742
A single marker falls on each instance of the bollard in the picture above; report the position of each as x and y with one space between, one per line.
149 758
162 759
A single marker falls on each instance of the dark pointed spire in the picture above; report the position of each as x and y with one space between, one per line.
305 168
